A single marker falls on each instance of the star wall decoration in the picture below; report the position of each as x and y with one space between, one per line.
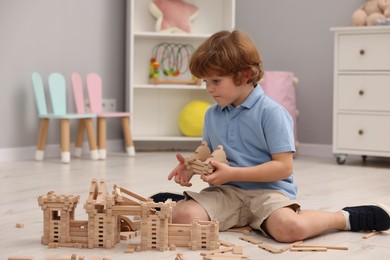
173 15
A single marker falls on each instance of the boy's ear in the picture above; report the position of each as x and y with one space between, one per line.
246 76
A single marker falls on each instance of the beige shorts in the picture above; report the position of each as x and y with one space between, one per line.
234 207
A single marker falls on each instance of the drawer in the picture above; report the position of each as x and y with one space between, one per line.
363 132
363 92
364 52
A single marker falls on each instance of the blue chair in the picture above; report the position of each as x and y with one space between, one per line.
57 89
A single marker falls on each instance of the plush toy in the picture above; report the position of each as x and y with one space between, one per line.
370 12
191 118
173 15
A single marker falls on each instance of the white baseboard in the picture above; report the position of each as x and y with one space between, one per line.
51 151
315 150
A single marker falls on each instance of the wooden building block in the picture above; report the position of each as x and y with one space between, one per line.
251 240
180 256
225 243
270 249
237 250
20 258
220 250
221 256
245 230
320 246
19 225
304 249
371 234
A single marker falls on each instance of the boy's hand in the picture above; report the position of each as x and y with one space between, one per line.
221 174
181 175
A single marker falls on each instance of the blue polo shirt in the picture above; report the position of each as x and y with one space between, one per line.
250 134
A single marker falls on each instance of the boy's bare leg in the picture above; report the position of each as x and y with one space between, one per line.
286 225
186 211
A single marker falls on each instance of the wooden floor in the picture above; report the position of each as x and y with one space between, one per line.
322 185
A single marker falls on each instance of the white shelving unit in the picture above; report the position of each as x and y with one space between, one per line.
155 108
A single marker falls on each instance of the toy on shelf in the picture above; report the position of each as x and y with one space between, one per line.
171 60
199 162
373 12
173 15
108 217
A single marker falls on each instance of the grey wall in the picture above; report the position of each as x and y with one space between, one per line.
56 35
295 36
89 35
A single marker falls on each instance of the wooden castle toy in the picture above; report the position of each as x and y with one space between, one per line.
108 215
199 162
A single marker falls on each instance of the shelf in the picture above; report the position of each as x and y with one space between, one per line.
156 35
169 86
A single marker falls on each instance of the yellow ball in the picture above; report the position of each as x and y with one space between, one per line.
191 118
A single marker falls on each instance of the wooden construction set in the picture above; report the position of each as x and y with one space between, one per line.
108 215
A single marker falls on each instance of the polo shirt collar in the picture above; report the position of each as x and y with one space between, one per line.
251 100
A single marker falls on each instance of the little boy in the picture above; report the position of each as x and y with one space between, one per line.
257 187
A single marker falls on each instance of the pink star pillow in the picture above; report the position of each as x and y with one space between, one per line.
173 15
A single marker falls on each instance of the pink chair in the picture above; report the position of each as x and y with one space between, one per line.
57 88
94 89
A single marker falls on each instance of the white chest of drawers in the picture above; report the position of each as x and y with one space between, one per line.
361 92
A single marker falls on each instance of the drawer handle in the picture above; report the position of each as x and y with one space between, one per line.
361 132
362 52
361 92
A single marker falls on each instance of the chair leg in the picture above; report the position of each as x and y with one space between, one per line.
127 136
102 135
65 140
78 151
91 138
41 143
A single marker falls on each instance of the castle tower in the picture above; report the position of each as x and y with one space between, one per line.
58 211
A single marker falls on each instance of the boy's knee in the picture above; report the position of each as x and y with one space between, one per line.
288 231
186 212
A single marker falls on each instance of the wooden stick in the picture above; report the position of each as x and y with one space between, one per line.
301 249
270 249
371 234
245 230
212 252
251 240
288 247
327 247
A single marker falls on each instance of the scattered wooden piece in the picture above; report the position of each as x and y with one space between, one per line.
94 257
371 234
304 249
222 256
180 256
251 240
237 250
220 250
288 247
270 249
327 247
225 243
245 230
131 248
19 225
20 258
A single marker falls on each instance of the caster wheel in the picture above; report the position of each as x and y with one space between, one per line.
341 159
